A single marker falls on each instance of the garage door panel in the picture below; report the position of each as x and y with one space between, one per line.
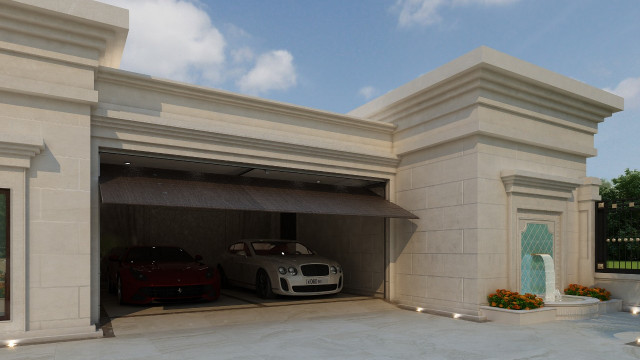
122 185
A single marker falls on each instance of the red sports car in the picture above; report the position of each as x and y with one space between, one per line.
144 274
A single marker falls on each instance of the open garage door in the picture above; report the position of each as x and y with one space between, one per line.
155 187
204 208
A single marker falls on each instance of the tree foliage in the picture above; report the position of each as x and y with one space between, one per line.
624 187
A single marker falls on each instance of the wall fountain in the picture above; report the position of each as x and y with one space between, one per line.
538 276
568 307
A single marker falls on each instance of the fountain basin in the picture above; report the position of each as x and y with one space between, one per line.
518 317
571 307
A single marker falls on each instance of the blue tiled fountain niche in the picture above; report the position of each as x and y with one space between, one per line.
535 239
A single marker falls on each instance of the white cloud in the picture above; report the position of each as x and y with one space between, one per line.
242 55
418 12
367 92
482 2
173 39
426 12
176 39
273 70
629 89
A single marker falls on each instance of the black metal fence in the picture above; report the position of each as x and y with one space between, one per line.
618 236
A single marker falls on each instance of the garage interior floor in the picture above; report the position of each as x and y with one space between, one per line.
233 307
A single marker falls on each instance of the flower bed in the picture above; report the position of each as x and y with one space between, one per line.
579 290
513 300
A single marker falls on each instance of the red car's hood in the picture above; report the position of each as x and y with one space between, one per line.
172 272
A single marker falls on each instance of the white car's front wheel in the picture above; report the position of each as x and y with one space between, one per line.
263 285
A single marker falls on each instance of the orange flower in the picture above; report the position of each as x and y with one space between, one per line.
513 300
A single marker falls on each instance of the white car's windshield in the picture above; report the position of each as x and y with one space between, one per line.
280 248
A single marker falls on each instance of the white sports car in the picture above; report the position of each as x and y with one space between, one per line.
284 267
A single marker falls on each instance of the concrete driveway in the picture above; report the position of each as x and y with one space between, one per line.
346 329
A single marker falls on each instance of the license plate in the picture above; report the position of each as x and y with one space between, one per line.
314 281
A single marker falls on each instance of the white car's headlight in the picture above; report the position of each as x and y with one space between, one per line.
282 270
293 270
333 270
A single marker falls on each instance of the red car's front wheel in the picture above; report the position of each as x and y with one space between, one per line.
119 290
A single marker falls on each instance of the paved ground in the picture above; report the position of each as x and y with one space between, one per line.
346 329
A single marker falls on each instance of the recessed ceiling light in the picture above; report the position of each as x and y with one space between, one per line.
127 163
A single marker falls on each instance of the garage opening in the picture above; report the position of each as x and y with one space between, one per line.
204 209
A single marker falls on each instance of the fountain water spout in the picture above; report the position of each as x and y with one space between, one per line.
558 295
550 277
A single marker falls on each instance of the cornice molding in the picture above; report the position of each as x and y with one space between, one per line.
480 89
536 184
589 191
119 123
545 82
48 55
129 79
484 77
62 27
48 90
17 151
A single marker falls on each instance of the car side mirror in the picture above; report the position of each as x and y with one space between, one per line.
198 257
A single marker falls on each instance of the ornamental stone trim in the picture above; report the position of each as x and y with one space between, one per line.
125 78
242 142
17 151
531 183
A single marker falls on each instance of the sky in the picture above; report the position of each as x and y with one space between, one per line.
336 55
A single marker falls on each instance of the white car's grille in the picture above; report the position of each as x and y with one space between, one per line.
315 288
315 270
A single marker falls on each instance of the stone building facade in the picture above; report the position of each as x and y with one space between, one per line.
477 150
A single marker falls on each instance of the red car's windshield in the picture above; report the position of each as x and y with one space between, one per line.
280 248
158 254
